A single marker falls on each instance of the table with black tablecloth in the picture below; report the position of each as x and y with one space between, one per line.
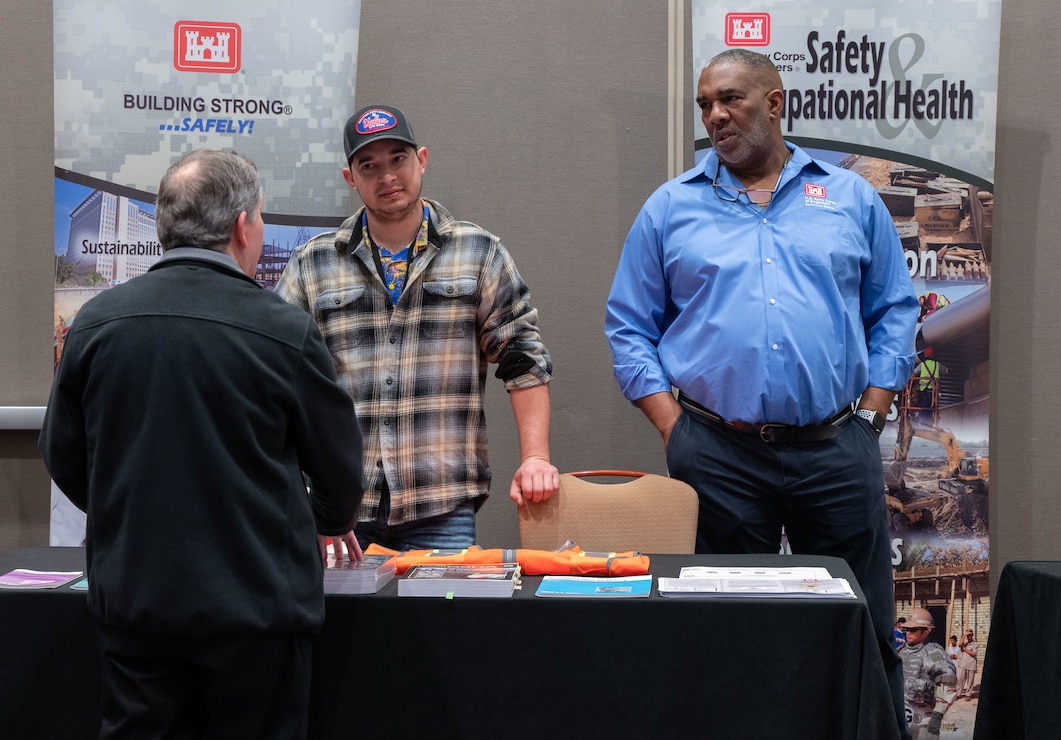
1020 687
520 667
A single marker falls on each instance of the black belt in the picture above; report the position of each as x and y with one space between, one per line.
784 434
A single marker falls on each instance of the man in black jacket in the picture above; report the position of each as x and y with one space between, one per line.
189 409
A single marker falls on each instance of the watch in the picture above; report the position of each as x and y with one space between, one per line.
873 417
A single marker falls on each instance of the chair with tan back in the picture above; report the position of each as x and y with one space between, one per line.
648 513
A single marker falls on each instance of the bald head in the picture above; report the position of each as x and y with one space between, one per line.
201 197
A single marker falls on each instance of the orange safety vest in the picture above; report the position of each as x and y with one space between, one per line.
929 374
570 561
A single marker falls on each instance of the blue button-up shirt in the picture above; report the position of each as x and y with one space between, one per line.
779 314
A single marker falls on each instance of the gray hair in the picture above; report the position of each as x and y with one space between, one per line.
761 66
201 196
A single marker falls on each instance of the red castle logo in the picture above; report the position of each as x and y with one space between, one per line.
203 46
747 29
814 191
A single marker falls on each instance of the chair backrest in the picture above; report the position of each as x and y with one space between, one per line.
649 513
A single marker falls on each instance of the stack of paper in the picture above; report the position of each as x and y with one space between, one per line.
365 577
762 582
460 580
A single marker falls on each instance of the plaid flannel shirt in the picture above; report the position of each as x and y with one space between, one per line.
417 370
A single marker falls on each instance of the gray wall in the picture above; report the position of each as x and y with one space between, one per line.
26 215
546 124
1025 309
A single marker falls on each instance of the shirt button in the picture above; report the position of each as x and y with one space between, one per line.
773 346
773 301
389 381
769 260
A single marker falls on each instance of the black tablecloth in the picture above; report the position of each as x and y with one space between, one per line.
524 667
1020 687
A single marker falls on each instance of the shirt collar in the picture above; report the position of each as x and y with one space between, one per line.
350 235
705 171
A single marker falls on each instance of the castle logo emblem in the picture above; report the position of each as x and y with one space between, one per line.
203 46
747 29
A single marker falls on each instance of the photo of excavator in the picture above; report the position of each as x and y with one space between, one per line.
960 475
939 390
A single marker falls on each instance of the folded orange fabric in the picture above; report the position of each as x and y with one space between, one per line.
570 561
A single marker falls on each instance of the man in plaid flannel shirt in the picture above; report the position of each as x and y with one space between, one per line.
414 305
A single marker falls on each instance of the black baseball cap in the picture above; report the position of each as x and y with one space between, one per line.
375 122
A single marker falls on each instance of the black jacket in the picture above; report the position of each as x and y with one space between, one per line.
187 404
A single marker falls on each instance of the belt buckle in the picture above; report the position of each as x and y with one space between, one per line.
766 431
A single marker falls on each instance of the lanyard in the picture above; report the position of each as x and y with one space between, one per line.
393 268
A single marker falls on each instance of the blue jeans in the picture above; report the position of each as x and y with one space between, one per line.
829 497
453 530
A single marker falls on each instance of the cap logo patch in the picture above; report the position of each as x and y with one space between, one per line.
375 120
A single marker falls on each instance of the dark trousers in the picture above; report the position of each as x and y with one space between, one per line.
174 686
829 497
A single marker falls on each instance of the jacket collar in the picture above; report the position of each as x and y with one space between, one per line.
211 257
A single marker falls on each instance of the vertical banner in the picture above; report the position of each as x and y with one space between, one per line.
904 93
139 84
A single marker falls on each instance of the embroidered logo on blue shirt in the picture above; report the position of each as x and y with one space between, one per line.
814 195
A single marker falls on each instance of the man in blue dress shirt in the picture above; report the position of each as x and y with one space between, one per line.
771 291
